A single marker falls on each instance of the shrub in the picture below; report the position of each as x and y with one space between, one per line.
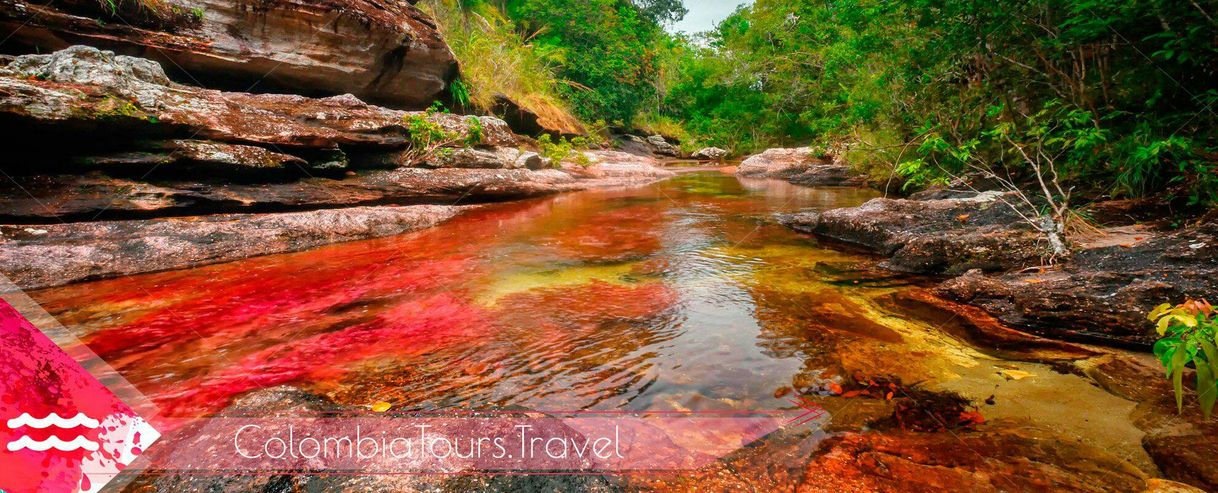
562 149
430 140
496 59
1189 334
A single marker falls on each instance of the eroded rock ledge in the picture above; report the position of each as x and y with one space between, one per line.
1101 294
49 255
386 52
183 176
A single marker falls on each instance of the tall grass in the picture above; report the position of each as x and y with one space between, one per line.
496 58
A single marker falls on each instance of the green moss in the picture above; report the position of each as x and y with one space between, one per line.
114 109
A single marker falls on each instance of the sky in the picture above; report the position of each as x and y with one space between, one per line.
704 14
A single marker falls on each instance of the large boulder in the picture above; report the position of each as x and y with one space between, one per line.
780 163
386 52
661 147
710 154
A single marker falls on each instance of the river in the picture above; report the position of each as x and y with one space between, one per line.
683 295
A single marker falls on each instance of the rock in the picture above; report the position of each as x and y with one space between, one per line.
526 121
710 154
41 199
617 164
530 160
931 236
633 144
187 157
1101 294
385 52
69 253
829 175
662 147
780 163
485 158
1187 459
82 93
990 461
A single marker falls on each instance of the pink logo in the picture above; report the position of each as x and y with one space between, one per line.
63 430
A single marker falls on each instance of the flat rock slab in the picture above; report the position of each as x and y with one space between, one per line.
48 255
931 236
1104 293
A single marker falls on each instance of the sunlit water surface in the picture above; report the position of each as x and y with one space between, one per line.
684 295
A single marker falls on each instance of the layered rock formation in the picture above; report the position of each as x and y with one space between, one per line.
1100 294
381 51
932 236
54 254
98 136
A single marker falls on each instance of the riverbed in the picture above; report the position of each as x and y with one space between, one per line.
684 295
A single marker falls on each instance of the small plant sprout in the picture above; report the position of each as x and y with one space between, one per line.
1189 334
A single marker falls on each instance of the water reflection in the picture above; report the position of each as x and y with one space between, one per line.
682 295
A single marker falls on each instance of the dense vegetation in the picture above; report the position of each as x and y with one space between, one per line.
1114 97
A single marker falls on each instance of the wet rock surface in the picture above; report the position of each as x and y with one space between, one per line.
931 236
385 52
1104 293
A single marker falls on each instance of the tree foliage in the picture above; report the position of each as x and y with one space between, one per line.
1125 88
606 49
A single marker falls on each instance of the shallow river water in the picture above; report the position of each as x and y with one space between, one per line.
683 295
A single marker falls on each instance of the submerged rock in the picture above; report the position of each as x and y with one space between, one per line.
385 52
991 460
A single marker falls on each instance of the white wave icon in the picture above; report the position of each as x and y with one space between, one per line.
53 419
52 443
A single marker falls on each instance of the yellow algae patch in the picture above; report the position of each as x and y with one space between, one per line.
508 283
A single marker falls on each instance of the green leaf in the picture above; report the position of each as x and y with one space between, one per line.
1177 378
1207 393
1166 359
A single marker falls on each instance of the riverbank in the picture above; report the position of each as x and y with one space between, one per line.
119 170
